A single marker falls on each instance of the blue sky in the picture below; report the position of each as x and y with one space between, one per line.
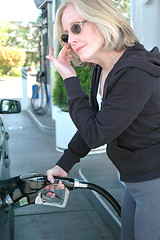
18 10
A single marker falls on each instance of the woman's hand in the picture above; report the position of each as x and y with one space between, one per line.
63 63
55 171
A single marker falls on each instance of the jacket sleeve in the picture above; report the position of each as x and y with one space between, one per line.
120 106
77 148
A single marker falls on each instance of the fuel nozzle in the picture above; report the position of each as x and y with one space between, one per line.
6 188
21 190
29 189
30 183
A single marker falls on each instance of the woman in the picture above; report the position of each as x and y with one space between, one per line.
127 115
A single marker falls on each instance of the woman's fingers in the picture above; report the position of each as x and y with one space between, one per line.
60 185
51 51
63 52
50 193
50 176
51 56
51 188
55 171
62 63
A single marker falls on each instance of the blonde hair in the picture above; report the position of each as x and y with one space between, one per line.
107 18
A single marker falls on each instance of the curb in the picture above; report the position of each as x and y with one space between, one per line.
41 126
108 216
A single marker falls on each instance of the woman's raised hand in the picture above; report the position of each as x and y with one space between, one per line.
63 62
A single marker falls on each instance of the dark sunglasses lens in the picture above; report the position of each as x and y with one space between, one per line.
64 38
76 28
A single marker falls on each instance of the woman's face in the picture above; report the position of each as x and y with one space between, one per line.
89 42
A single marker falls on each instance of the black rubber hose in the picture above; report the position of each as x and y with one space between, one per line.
106 195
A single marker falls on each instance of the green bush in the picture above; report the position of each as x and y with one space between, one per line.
59 93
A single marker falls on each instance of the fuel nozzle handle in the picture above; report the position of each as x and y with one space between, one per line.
31 183
21 190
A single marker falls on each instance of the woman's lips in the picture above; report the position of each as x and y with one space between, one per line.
79 48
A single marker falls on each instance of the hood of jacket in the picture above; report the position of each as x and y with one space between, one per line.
138 57
134 57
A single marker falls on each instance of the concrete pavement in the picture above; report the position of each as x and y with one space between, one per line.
32 148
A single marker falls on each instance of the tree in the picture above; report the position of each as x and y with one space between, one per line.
4 31
14 34
11 57
124 7
24 37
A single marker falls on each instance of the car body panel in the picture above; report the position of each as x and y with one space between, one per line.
6 217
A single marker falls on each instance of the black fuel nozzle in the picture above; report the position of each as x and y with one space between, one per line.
21 190
30 189
40 76
30 183
24 189
6 188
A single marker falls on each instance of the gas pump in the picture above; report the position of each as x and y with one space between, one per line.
40 99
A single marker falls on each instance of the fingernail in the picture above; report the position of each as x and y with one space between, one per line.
52 181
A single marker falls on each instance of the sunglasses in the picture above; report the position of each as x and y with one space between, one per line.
76 28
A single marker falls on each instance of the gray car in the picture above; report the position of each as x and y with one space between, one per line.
6 217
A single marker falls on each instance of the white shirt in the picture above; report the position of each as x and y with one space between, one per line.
99 97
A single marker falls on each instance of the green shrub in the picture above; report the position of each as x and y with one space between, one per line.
59 94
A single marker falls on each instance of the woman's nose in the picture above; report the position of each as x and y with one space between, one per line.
72 38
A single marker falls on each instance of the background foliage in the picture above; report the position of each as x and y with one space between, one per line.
14 34
124 7
11 57
17 36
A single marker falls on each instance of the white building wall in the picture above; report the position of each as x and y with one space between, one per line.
145 21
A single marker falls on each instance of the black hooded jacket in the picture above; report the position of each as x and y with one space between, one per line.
129 119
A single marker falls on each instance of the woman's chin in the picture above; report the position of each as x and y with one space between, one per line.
84 59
